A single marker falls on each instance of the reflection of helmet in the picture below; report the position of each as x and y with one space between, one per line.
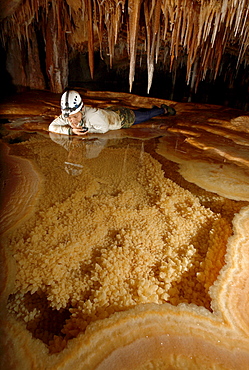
71 103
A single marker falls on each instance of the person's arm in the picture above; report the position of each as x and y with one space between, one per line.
98 130
96 120
60 126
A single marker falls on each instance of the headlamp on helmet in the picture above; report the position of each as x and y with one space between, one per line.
71 103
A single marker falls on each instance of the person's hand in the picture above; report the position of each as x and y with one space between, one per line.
79 131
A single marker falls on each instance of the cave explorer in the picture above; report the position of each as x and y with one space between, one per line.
78 119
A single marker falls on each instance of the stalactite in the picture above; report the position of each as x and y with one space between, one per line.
99 23
111 23
245 38
157 46
90 38
56 50
148 43
134 15
224 10
156 27
239 10
187 26
152 20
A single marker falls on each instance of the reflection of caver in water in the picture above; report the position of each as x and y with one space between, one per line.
78 150
73 169
78 119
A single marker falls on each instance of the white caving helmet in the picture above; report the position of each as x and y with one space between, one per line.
71 103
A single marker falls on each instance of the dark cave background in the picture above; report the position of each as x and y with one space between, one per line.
224 90
47 46
230 88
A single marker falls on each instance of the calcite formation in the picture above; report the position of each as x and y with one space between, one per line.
163 30
126 251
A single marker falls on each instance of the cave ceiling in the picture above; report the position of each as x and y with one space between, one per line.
40 37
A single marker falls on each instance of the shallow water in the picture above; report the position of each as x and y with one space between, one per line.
101 229
110 227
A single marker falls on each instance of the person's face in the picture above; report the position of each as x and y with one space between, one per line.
74 119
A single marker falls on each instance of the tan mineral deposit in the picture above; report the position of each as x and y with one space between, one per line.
125 250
